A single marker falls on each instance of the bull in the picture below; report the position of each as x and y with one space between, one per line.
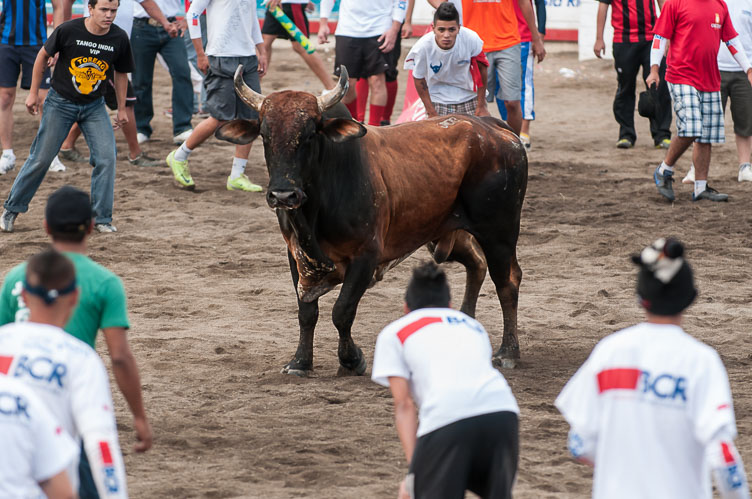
353 201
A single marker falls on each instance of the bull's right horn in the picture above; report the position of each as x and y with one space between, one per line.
246 93
333 96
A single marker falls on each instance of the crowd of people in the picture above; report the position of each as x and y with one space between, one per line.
467 433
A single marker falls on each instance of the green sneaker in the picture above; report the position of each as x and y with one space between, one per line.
624 144
242 183
180 171
663 144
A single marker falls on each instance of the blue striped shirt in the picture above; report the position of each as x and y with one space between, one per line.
23 22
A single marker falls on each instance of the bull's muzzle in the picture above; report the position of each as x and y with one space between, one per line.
287 200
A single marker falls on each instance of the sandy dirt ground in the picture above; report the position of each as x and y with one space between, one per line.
214 314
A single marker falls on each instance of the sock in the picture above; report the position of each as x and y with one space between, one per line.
391 97
700 186
182 152
361 89
375 114
352 107
8 152
238 167
664 168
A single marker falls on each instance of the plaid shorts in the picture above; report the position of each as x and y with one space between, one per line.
698 114
461 108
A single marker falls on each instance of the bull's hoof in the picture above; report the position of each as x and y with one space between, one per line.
297 369
504 362
358 370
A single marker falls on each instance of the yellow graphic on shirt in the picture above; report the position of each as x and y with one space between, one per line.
88 73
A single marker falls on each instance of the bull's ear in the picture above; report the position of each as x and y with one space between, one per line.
341 129
238 131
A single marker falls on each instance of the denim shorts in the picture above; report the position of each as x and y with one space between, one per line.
222 102
19 59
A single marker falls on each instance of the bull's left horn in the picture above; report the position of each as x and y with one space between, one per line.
246 93
333 96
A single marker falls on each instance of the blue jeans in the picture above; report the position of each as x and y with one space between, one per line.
146 42
58 115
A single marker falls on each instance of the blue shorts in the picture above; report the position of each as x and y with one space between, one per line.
14 59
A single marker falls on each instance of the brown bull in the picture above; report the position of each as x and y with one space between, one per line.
353 201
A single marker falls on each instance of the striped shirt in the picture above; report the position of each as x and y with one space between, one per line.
633 20
23 22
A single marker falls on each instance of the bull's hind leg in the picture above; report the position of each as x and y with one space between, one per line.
308 314
468 252
357 278
507 276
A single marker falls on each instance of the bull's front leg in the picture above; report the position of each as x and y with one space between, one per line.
357 278
308 314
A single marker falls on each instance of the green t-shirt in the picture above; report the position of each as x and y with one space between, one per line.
101 302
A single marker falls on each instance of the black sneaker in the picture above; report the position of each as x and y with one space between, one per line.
6 220
72 155
710 194
664 183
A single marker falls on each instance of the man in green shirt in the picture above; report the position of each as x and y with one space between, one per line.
102 302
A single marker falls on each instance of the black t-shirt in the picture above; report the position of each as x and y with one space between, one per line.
87 60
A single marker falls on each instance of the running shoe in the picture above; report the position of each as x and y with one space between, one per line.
710 194
7 219
664 182
664 144
182 136
72 155
144 160
180 171
525 139
242 183
56 165
105 228
7 163
690 178
624 144
142 137
745 172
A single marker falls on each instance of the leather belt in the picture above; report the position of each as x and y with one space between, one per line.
152 22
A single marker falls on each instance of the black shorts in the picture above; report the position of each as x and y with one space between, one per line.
110 99
296 13
361 56
222 102
478 454
19 59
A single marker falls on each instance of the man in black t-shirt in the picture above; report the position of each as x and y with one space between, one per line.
89 51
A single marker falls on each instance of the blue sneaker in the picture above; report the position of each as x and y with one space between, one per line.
664 182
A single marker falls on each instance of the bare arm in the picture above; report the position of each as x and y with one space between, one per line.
151 8
481 109
58 487
600 24
405 417
422 87
527 12
121 89
435 3
126 376
40 65
407 27
202 61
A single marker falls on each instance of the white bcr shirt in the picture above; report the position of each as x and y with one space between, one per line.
446 357
232 26
365 18
447 72
652 397
741 16
70 378
34 446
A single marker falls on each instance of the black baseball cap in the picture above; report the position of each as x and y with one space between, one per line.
68 210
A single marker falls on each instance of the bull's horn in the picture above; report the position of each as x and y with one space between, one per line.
333 96
246 93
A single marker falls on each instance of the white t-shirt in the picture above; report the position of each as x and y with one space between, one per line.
365 18
232 26
170 8
447 72
652 398
69 377
446 357
741 17
34 445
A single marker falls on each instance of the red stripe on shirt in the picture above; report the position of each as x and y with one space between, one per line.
618 379
656 43
104 448
411 328
5 363
728 457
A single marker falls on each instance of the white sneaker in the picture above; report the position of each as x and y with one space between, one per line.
7 163
105 228
690 178
745 172
142 137
182 137
56 165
